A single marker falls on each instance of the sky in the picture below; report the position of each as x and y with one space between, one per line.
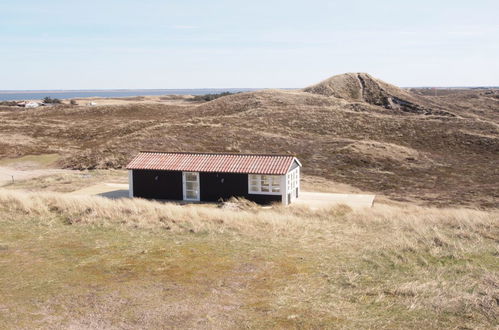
108 44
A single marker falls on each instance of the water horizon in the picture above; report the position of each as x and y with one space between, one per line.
39 94
20 95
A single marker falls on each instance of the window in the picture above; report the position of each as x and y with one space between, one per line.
264 184
293 179
276 186
191 186
254 183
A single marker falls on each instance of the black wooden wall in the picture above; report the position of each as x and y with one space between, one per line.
222 185
157 184
214 186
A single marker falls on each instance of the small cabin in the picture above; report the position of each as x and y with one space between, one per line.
211 177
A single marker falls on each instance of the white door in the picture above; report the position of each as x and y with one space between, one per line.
190 182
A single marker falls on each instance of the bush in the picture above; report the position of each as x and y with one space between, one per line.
50 100
8 103
210 97
73 102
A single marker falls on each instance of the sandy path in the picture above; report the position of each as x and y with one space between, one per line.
110 190
7 173
314 200
317 200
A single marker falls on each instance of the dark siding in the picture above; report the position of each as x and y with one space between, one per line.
157 184
222 185
263 199
216 186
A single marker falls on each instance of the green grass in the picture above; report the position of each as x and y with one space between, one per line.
62 264
70 181
133 264
62 275
40 161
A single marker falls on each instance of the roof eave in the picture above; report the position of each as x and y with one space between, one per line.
156 169
292 161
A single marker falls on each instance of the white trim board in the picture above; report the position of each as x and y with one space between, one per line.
290 166
130 183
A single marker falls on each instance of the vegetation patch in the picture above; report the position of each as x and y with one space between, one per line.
70 181
210 97
34 161
50 100
89 262
343 130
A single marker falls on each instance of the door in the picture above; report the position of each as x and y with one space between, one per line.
190 182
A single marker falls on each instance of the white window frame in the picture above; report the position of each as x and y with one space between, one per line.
292 184
273 180
184 187
130 183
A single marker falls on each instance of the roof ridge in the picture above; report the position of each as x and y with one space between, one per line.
214 153
213 162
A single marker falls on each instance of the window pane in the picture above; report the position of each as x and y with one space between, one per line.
191 177
276 189
191 185
254 184
265 189
191 194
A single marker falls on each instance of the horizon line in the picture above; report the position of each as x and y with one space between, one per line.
5 91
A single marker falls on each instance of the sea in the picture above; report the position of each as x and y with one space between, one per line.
73 94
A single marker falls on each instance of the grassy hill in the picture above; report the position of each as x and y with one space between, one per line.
88 262
351 129
69 261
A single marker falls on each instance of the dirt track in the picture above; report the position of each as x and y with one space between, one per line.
110 190
314 200
8 174
317 200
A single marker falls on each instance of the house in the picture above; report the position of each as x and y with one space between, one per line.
31 105
28 104
214 176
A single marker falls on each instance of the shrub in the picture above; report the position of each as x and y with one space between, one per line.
8 103
50 100
73 102
210 97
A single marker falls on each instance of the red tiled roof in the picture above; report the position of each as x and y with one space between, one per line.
205 162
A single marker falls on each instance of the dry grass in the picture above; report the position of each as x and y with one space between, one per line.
29 161
95 263
436 159
70 180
